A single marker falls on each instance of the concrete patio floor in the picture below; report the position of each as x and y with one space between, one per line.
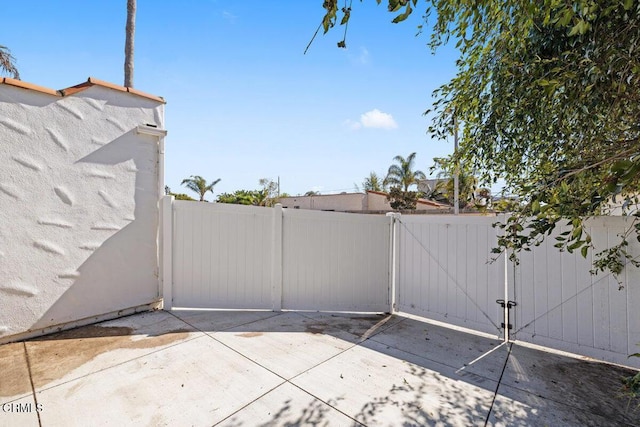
251 368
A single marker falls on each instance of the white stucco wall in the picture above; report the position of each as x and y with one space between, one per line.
78 206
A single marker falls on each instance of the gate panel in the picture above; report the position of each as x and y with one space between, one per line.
335 261
563 306
445 271
222 256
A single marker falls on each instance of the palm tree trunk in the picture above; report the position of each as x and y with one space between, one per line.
128 44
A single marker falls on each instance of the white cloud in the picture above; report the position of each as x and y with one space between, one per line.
377 119
351 124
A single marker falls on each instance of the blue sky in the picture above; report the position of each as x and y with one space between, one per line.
243 102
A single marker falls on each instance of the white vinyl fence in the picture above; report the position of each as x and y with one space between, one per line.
436 266
222 256
445 271
246 257
562 305
335 261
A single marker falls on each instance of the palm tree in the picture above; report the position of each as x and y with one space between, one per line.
467 184
199 185
7 62
373 183
130 32
402 174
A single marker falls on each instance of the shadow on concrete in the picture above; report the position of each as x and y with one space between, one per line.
450 377
391 370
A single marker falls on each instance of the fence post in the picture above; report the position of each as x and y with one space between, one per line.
166 258
276 259
393 258
505 303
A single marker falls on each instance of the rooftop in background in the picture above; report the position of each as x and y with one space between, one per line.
91 81
369 202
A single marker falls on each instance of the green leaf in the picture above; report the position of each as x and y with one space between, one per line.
403 15
577 233
584 251
535 207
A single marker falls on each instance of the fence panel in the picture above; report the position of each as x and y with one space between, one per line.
563 306
222 256
445 271
229 256
335 261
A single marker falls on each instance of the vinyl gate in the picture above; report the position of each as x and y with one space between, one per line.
445 272
439 267
245 257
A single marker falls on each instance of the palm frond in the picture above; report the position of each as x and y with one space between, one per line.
7 63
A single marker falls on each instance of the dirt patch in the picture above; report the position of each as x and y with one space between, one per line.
594 386
14 370
250 334
314 330
53 356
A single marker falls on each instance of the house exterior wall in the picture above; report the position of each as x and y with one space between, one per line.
378 202
371 201
333 202
78 206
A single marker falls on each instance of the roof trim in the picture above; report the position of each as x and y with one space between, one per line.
91 81
432 203
25 85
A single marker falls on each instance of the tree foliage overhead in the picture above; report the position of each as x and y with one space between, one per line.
547 96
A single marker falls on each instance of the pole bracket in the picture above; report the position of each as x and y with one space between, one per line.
508 305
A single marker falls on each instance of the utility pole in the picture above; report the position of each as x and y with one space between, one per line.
456 191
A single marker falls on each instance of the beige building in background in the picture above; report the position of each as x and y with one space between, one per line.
370 201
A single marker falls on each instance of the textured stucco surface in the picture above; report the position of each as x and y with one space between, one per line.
78 206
